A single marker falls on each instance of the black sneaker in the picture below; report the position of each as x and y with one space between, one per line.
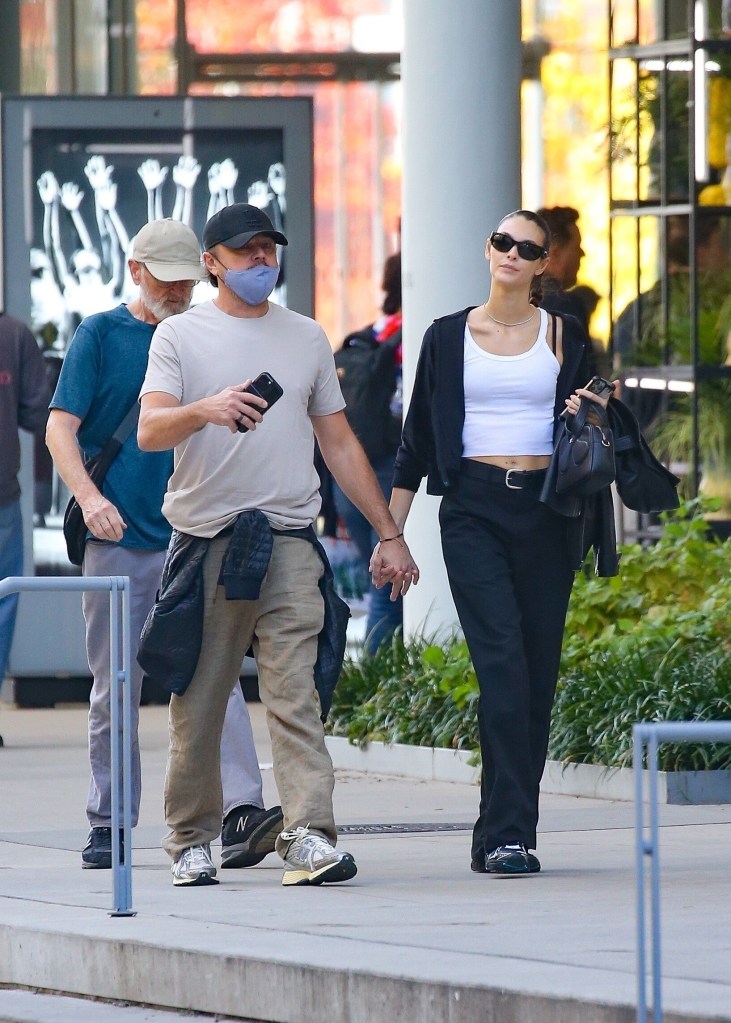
249 834
477 866
97 853
508 860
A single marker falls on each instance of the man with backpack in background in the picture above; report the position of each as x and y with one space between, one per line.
369 370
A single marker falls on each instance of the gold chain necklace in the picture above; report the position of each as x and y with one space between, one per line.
503 323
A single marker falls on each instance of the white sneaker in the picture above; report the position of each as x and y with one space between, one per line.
310 859
194 866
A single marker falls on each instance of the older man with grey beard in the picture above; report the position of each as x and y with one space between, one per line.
127 534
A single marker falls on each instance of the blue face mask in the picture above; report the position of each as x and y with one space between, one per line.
253 286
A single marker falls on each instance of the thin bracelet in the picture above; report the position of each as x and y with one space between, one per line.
389 538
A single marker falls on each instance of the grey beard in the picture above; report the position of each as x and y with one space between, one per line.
159 308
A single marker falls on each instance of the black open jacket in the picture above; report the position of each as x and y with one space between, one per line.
171 638
431 443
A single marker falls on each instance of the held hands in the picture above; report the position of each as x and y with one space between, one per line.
392 562
572 403
102 519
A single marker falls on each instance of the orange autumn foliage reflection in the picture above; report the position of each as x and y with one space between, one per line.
357 173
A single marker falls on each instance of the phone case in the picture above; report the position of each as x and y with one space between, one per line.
267 388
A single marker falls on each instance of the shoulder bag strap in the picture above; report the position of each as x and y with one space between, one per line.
127 425
109 451
553 332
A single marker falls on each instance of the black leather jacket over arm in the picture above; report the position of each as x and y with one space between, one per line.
171 638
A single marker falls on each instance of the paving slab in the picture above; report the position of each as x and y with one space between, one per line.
414 936
22 1006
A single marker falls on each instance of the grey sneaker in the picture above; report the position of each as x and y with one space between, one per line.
194 866
310 859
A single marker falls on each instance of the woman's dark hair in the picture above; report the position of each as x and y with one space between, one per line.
392 284
536 288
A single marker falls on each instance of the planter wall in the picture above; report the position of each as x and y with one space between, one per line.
425 763
680 787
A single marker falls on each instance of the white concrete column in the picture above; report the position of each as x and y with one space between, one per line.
461 73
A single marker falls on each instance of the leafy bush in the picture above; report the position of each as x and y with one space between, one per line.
596 707
420 693
651 644
677 590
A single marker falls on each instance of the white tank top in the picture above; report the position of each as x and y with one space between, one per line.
509 399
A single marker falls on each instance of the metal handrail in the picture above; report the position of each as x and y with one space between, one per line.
648 735
119 671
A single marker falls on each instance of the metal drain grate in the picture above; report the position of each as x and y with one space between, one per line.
398 829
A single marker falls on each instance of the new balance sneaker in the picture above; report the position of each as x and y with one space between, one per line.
508 860
194 867
310 859
97 853
249 834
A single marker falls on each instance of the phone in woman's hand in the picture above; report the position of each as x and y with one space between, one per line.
601 387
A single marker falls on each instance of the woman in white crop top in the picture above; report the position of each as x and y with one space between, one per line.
506 553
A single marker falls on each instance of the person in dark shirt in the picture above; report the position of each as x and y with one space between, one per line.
24 396
385 616
563 264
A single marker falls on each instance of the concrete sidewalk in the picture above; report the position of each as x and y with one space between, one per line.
414 937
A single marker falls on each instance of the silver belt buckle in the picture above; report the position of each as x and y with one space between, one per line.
508 484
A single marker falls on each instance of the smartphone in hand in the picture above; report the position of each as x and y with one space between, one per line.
601 387
267 388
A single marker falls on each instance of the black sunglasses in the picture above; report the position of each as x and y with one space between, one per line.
526 250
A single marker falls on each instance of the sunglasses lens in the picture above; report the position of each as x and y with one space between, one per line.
526 250
529 250
502 242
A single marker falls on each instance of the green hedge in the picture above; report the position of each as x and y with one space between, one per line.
652 644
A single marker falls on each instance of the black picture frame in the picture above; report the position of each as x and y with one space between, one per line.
60 134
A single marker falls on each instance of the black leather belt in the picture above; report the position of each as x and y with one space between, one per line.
513 479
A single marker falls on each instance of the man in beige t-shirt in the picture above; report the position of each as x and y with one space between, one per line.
230 458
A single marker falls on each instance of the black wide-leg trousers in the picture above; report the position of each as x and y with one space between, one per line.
510 575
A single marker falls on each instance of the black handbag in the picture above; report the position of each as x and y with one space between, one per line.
74 527
584 452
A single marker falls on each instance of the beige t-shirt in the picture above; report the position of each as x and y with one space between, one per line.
218 474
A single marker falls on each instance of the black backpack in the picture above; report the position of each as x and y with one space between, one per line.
367 373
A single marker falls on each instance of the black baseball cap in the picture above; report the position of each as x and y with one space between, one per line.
237 224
